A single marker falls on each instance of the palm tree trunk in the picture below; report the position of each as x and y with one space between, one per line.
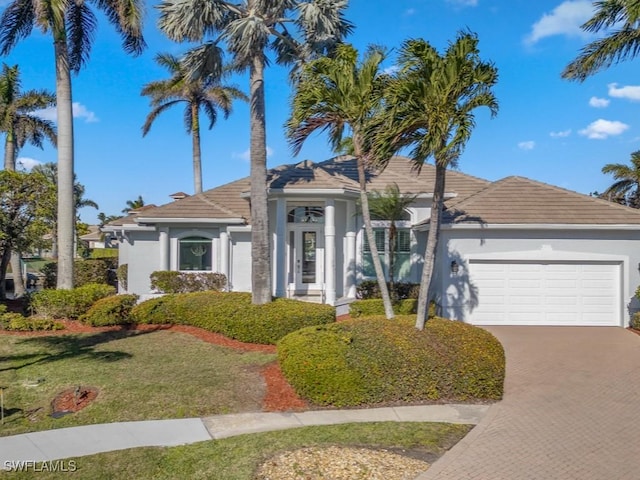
197 158
392 260
66 210
260 248
4 261
10 164
366 217
432 244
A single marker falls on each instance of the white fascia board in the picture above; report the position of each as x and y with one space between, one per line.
128 227
239 228
306 192
447 196
183 220
529 226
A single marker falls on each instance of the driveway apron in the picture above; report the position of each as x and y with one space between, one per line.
571 410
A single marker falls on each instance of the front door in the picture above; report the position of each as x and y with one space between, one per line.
306 258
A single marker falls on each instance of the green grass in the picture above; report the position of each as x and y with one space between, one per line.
237 458
140 376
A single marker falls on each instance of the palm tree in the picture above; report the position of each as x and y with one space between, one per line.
20 126
390 205
620 19
196 93
248 29
432 104
134 204
627 185
72 26
339 93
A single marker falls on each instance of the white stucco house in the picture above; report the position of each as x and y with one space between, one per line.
514 251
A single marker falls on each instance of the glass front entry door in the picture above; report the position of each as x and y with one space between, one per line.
306 258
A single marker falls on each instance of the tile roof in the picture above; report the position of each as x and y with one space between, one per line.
518 200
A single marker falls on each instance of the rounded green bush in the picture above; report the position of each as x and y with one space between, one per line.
374 306
232 314
377 361
113 310
635 321
68 303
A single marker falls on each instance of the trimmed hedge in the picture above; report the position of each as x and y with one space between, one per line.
232 314
113 310
165 281
18 323
374 306
373 361
370 289
68 303
97 270
635 321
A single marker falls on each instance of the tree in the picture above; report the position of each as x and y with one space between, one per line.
626 188
21 224
390 205
620 19
20 125
339 93
133 204
197 93
294 30
72 26
103 218
48 205
432 104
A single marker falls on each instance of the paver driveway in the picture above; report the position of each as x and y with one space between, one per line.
571 410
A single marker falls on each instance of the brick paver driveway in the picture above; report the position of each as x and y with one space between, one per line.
571 410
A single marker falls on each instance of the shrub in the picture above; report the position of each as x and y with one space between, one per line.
187 282
84 272
17 323
635 321
370 289
122 273
374 306
104 253
376 361
232 314
50 272
113 310
68 303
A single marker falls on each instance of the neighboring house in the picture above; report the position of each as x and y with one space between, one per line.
513 251
97 239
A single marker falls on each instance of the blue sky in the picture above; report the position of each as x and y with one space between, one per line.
547 129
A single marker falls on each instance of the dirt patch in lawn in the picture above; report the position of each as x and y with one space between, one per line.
73 400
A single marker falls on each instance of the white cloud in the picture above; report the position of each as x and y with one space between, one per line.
629 92
561 134
246 155
601 129
464 3
528 145
26 163
596 102
79 111
565 19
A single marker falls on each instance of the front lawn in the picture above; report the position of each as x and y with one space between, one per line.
238 458
139 375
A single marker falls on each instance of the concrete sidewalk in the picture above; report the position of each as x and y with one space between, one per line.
90 439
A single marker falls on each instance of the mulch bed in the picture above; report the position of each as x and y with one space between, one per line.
280 396
73 400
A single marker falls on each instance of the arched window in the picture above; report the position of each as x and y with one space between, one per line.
195 253
306 215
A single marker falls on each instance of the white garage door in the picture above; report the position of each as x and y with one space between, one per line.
529 293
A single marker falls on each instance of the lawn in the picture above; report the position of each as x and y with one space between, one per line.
139 375
237 458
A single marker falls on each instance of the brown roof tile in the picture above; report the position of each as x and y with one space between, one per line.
518 200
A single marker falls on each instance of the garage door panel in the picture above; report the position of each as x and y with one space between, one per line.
546 293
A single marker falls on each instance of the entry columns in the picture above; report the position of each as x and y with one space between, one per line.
279 242
330 251
350 254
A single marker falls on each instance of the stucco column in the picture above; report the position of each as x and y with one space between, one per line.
164 248
330 251
350 254
224 254
280 262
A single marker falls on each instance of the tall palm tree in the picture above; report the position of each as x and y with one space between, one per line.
134 204
620 19
433 102
340 93
72 26
293 29
627 181
20 126
390 205
196 93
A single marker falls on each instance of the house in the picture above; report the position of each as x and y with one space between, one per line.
514 251
95 238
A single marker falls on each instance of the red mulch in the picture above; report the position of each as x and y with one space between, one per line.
69 401
280 396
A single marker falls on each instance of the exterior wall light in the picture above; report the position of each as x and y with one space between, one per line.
455 267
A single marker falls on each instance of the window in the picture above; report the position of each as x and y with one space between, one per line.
195 253
306 215
402 264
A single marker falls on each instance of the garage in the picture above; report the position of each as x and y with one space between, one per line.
545 293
